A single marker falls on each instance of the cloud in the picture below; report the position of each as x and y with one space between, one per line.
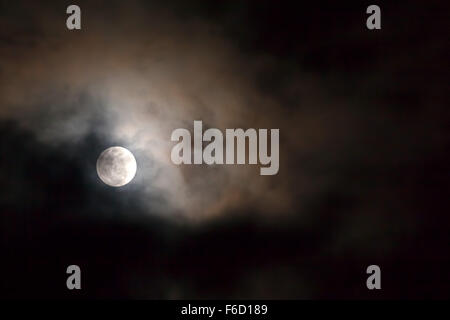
136 85
363 157
133 80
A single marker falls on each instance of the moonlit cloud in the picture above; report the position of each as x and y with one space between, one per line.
142 88
363 174
136 80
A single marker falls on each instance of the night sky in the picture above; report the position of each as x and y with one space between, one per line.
364 171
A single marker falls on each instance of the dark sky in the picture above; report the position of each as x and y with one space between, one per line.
364 149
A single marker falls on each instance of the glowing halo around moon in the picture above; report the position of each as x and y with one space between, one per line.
116 166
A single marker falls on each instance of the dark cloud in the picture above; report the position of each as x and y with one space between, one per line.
363 148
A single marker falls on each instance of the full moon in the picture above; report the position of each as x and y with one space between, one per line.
116 166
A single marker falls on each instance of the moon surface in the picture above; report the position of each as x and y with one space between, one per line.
116 166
